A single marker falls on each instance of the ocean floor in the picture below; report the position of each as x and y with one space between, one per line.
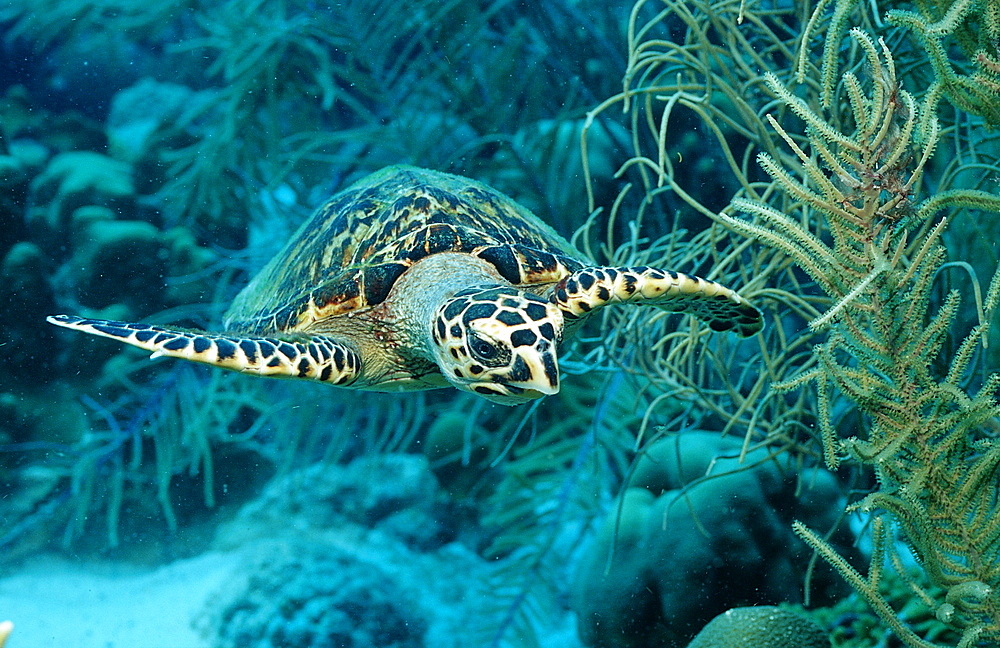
58 603
325 553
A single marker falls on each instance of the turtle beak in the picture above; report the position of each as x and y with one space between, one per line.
509 394
536 369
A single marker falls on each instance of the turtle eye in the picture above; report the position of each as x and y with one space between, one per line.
486 352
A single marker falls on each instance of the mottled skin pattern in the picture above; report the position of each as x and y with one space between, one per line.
713 303
413 279
483 330
316 359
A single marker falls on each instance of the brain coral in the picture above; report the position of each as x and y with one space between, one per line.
763 626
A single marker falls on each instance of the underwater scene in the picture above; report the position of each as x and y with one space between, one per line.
500 324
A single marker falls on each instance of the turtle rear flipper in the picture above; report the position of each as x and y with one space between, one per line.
317 358
720 307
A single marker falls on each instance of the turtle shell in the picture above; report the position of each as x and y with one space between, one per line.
350 252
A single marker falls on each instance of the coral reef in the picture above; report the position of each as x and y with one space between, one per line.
326 496
146 204
26 293
116 261
693 516
956 43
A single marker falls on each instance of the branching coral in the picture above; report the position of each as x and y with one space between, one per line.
960 39
972 81
875 250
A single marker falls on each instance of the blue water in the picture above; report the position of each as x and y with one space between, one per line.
155 156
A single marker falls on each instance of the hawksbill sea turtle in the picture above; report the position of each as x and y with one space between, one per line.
413 279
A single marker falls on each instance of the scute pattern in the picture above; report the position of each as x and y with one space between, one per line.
351 251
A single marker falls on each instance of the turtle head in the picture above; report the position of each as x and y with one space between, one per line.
500 343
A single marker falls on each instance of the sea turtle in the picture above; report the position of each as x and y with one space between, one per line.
413 279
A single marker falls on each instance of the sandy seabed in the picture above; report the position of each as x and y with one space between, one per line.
58 603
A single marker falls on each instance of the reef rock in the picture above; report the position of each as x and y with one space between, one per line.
304 595
357 556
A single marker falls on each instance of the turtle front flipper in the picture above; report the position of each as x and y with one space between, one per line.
316 358
720 307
